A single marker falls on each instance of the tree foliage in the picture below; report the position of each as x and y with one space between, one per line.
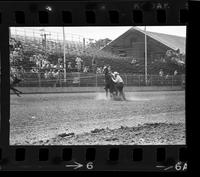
99 43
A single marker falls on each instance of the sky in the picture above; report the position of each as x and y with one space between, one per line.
96 32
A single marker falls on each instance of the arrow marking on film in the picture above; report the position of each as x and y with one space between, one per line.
168 168
159 166
76 165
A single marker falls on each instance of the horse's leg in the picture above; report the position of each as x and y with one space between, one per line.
122 95
111 95
106 92
18 91
15 91
116 91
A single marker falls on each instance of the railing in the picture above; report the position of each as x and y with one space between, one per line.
97 80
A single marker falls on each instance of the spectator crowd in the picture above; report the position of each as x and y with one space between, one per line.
47 67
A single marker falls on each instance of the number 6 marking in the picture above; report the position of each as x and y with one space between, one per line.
90 165
178 166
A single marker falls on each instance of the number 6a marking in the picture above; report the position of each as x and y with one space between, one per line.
90 165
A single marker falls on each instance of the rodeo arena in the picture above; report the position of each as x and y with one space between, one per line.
67 89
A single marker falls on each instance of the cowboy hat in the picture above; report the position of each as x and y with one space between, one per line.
115 73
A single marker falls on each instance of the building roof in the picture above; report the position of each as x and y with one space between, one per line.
171 41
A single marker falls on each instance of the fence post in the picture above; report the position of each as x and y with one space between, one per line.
59 79
172 80
126 79
96 80
151 79
39 79
139 80
79 78
182 79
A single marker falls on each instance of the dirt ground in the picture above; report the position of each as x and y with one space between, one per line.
146 134
89 118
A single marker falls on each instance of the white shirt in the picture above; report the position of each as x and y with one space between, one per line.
78 60
118 79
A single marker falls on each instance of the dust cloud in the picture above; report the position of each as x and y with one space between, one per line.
102 96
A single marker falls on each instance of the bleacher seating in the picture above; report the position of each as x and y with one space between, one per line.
32 46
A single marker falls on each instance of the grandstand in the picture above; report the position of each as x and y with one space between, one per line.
36 42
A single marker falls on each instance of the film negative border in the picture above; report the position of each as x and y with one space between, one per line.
99 13
98 158
94 13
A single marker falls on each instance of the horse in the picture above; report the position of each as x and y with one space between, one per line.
13 81
109 84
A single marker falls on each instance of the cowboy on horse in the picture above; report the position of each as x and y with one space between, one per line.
109 84
119 84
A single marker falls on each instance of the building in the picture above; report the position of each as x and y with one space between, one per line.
132 44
